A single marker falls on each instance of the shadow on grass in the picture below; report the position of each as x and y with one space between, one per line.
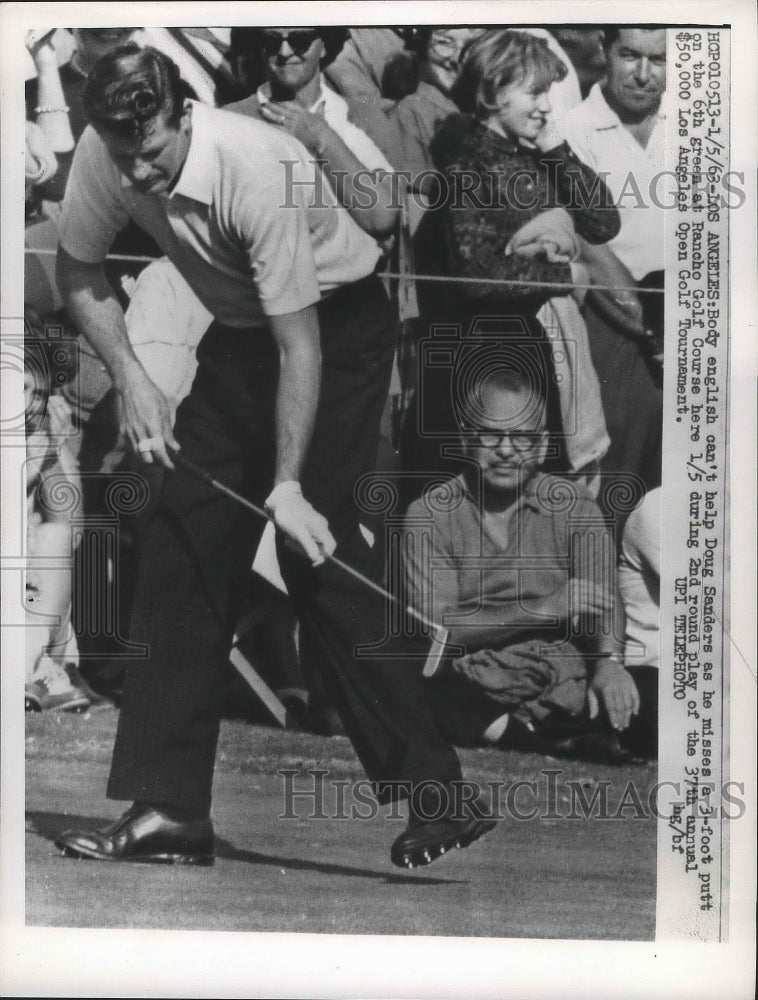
49 825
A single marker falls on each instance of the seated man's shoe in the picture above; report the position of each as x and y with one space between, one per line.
428 835
143 834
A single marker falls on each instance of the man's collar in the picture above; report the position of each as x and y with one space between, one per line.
196 179
602 113
264 95
604 117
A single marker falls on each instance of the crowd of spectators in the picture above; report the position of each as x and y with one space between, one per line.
495 160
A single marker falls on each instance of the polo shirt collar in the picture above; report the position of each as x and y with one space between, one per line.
196 180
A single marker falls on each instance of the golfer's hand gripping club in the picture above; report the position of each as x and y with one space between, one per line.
302 525
439 634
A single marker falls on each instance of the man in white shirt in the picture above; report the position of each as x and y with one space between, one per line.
619 131
296 98
243 213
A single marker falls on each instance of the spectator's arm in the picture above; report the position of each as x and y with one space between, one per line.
367 195
40 162
477 239
595 599
584 194
622 309
51 113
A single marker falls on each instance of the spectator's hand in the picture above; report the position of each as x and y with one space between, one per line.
303 125
554 254
306 529
41 48
612 685
550 232
548 136
146 419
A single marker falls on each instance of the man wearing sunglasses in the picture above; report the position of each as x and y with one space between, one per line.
521 568
296 98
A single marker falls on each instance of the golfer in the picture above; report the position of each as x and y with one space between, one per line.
292 378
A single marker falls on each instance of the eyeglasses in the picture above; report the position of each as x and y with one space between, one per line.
520 441
446 46
298 41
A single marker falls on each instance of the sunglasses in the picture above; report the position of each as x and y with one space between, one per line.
520 441
298 41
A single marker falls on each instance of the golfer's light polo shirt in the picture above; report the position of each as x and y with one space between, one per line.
251 224
635 177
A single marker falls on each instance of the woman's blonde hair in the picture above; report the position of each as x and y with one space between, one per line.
497 59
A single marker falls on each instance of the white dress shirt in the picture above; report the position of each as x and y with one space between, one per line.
633 174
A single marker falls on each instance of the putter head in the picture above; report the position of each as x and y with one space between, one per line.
436 651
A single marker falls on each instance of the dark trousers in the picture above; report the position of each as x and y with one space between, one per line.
199 548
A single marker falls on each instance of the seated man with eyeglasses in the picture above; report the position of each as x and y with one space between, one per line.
520 567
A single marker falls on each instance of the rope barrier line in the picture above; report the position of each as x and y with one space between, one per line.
396 276
448 279
127 257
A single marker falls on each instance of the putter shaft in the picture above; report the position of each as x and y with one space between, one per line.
206 477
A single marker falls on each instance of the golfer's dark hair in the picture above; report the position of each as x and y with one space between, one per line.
498 58
130 86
